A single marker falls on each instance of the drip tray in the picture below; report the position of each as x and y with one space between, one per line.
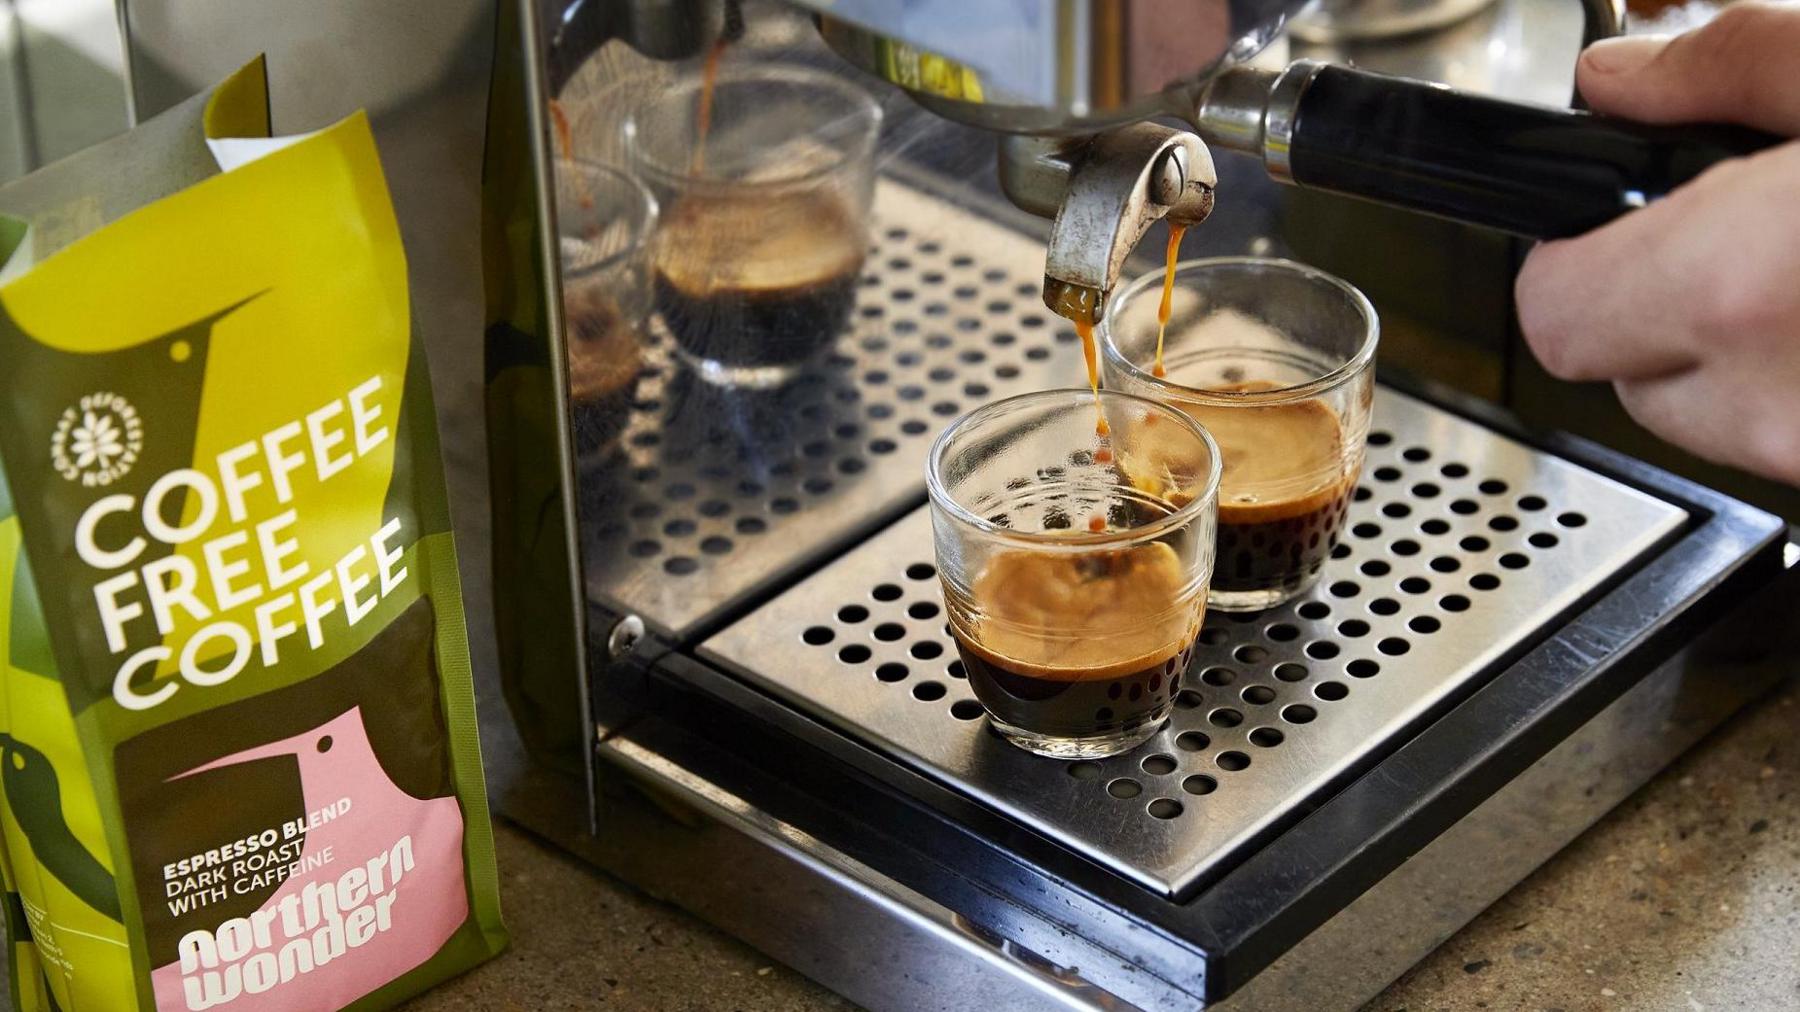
1462 548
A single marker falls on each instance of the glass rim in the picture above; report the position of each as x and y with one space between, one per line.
1355 363
793 73
645 202
1081 399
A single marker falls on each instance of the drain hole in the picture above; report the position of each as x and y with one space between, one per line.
1426 490
966 709
1571 519
956 670
1218 676
1384 606
852 613
679 528
1393 646
854 653
1213 637
1159 764
886 592
1083 770
1464 507
1353 627
1380 438
1362 494
715 545
1514 560
1406 546
892 672
1492 486
1331 692
1415 585
1396 510
1290 672
784 505
1532 503
1163 808
1484 581
888 632
1366 530
818 636
1445 564
1188 699
1362 667
920 571
1376 567
1259 695
1299 713
913 427
1435 526
926 650
1250 653
1191 741
1225 716
1266 737
1344 588
922 610
1232 762
1322 650
1542 539
751 525
1454 602
1199 783
1314 610
1424 624
680 565
1124 788
646 548
1387 474
1503 523
1473 543
1454 471
1281 632
928 691
1417 454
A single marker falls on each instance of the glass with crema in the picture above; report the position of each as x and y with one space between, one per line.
1074 566
1276 360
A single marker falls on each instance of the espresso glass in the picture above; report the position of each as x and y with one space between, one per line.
1074 567
765 213
604 222
1276 360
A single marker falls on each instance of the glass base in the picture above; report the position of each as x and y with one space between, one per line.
1255 600
744 377
1063 747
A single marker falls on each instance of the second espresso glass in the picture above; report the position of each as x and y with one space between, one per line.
1074 570
1276 360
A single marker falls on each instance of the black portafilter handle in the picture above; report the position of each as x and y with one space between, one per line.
1533 171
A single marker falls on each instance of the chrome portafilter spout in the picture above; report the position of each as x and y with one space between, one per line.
1104 192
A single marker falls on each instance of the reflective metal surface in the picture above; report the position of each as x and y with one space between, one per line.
717 490
1462 547
1029 67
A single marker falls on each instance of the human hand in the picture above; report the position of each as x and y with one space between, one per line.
1691 306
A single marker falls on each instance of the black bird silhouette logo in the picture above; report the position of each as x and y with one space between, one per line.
36 800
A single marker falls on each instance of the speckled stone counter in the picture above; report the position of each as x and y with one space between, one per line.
1684 898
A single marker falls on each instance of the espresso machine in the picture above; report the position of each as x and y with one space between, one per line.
723 669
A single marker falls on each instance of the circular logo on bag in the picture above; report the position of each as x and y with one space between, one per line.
97 440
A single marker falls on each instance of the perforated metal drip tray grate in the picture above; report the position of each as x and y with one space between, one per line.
1462 545
713 492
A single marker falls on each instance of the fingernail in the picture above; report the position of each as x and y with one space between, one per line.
1624 55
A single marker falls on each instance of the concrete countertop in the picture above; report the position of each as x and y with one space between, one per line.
1684 898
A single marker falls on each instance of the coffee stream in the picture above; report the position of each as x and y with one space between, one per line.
1168 294
709 78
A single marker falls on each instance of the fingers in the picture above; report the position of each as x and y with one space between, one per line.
1742 67
1692 277
1728 418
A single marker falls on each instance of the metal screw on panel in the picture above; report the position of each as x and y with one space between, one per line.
624 635
1169 176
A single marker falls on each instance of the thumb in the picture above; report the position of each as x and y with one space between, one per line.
1739 68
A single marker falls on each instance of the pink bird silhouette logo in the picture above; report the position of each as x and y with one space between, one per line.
376 890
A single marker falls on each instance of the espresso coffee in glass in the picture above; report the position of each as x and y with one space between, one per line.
1074 567
1276 360
765 202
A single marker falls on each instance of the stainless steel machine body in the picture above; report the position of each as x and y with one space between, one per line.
1519 630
